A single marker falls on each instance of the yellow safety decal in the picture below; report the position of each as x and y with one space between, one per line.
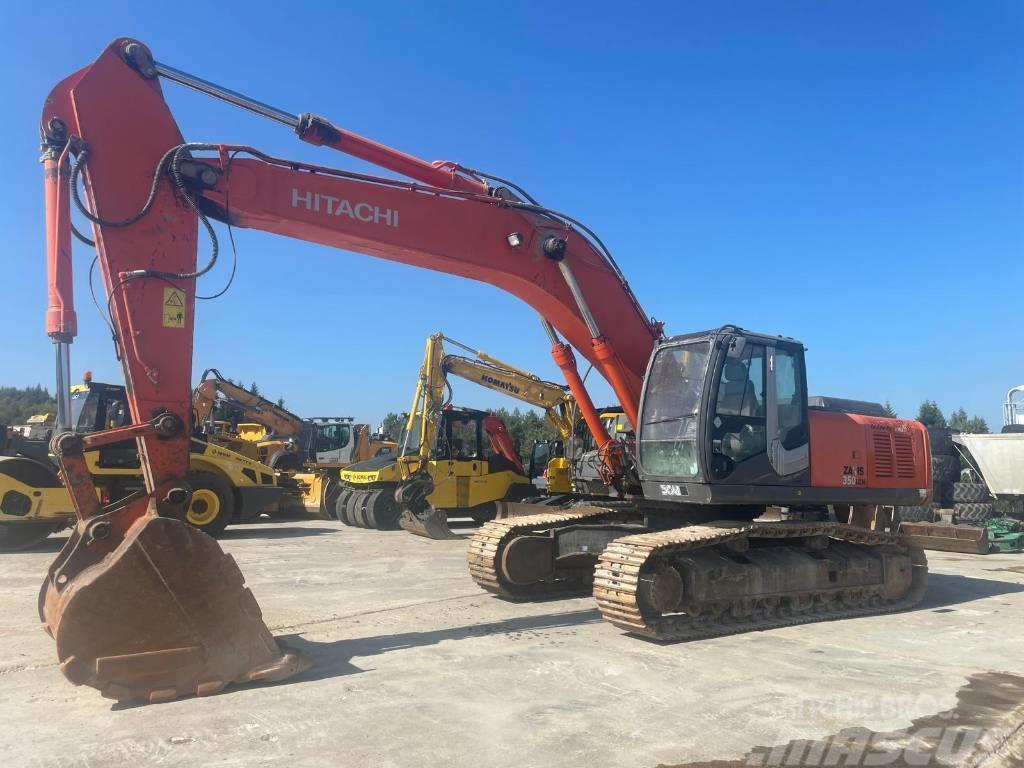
174 308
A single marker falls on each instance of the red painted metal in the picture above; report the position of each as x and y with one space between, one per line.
61 322
501 440
456 234
437 174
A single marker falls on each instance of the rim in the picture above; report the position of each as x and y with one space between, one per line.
204 508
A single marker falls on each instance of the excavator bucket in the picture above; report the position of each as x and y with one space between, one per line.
432 523
946 537
163 612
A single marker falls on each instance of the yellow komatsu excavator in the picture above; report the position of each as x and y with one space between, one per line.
549 468
450 460
566 469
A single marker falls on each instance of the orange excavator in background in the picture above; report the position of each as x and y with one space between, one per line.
724 428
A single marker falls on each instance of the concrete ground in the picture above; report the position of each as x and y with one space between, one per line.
415 666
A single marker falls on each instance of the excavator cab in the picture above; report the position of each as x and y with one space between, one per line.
724 419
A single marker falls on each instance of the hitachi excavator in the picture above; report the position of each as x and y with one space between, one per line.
450 460
723 425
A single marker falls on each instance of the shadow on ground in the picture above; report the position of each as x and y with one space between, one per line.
946 589
333 659
274 532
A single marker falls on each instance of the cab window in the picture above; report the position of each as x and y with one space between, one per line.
462 441
739 420
790 399
333 437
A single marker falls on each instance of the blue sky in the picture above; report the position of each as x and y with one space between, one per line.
849 174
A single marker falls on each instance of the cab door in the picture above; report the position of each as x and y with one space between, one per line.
757 414
459 461
786 424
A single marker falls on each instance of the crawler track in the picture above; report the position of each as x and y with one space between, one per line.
626 561
487 546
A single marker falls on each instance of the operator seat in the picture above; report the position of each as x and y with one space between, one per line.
736 396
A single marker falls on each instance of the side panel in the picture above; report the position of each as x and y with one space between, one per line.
853 451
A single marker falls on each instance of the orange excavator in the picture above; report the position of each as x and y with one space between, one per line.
724 426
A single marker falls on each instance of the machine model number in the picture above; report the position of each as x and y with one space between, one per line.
853 475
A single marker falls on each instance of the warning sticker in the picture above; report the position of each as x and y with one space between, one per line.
174 308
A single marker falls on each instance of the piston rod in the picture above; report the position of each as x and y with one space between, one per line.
225 94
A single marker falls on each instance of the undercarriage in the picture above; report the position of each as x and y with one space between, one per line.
703 579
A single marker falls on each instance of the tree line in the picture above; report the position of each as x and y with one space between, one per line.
930 414
17 404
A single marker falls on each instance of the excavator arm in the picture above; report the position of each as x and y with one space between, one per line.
554 399
278 420
108 130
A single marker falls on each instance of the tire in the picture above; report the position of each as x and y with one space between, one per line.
922 514
212 505
16 537
383 512
363 511
974 512
970 492
332 490
353 508
946 468
941 441
339 505
942 491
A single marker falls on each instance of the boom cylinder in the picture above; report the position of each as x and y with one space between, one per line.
566 361
61 322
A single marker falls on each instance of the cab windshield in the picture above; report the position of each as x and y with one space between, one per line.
668 429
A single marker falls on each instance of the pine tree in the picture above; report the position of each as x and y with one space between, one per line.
930 414
961 422
890 411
